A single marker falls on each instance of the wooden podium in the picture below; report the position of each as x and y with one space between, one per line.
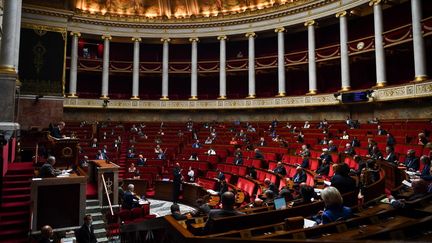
100 170
59 202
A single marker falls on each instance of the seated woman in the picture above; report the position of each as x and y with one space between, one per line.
334 208
132 168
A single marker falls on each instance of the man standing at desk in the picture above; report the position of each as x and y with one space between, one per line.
47 169
177 180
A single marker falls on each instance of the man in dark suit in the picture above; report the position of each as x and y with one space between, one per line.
177 180
228 201
300 176
86 234
411 161
341 180
270 186
280 169
130 200
426 172
175 212
47 169
391 156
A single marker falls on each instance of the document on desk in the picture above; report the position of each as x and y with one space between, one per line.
309 223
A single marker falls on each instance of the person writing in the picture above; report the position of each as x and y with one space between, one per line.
47 169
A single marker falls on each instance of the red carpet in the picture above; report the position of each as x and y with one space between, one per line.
91 192
15 204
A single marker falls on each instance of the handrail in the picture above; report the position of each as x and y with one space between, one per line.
107 194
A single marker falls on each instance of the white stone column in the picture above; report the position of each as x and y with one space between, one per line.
281 61
73 65
345 68
194 69
251 64
135 71
311 57
222 67
17 33
418 42
105 67
8 71
380 67
165 59
9 38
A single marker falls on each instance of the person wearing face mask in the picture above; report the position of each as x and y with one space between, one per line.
86 234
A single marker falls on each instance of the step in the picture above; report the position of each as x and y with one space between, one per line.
12 233
14 198
93 209
100 232
96 216
14 205
16 183
92 202
14 214
16 190
17 177
4 223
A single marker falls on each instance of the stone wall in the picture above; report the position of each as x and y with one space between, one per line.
412 109
39 112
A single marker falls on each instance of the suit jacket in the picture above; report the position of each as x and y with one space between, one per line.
391 157
129 201
412 163
280 170
324 169
85 234
425 175
343 183
47 170
299 178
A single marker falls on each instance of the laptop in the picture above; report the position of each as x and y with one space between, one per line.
280 203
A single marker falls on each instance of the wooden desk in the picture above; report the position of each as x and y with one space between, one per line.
59 201
190 192
109 170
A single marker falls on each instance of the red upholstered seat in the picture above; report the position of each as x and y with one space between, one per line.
136 213
125 215
313 164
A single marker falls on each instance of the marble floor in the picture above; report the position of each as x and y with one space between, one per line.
162 208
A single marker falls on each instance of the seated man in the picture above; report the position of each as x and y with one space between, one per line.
197 144
324 168
130 199
280 169
270 186
411 161
300 176
391 156
141 160
47 169
175 212
228 201
258 154
56 131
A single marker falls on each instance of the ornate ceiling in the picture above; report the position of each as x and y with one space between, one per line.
178 8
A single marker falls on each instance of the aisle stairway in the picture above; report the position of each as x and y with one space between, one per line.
15 204
93 208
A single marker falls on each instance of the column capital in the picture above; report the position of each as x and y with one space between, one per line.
165 39
75 34
222 37
280 29
309 23
108 37
136 39
194 39
251 35
341 14
374 2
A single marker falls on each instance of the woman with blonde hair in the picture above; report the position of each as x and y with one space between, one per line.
334 208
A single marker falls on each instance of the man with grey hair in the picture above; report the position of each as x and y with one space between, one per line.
47 169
